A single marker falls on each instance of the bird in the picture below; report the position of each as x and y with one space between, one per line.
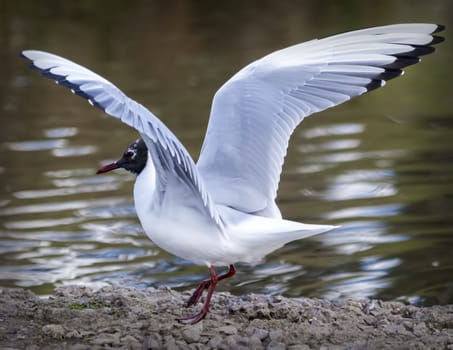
222 210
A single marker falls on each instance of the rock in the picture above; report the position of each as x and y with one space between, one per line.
421 329
395 329
276 335
129 339
228 330
169 343
274 345
215 341
299 347
152 342
229 343
107 339
54 330
261 334
73 334
191 334
77 347
255 342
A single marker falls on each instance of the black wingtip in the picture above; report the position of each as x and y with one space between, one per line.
390 74
402 62
375 84
440 28
421 50
436 40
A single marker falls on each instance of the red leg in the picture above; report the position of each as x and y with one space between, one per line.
205 285
211 285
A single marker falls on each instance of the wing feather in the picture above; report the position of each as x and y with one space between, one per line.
255 112
161 142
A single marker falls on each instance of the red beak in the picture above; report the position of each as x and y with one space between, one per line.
108 167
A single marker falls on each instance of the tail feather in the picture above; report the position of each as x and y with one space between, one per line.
253 237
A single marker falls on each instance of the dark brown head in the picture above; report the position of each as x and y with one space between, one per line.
134 159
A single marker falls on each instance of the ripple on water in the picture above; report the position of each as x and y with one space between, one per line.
331 145
111 254
108 212
74 151
334 129
65 173
43 208
344 157
33 224
360 184
61 132
37 145
360 231
356 285
377 263
19 245
279 274
49 207
53 236
366 212
30 194
359 236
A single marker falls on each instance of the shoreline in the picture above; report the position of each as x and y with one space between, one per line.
77 317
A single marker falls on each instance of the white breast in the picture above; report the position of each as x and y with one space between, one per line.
175 224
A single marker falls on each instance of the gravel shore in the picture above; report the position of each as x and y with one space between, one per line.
79 318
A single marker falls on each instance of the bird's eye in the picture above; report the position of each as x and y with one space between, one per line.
129 154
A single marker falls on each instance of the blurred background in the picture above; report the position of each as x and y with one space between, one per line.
381 166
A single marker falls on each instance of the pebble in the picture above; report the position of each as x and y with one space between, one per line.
191 334
274 345
420 329
54 330
276 335
230 342
73 334
261 334
395 329
30 347
255 342
128 339
77 347
169 343
215 341
299 347
107 339
229 330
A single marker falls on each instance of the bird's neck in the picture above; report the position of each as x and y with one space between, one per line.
145 188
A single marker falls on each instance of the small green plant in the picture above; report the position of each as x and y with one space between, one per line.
89 305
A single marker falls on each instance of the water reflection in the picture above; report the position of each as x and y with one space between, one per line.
37 145
380 167
61 132
33 194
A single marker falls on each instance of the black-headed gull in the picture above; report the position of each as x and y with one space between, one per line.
222 209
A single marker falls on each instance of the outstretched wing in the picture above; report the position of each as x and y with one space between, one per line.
168 153
254 113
